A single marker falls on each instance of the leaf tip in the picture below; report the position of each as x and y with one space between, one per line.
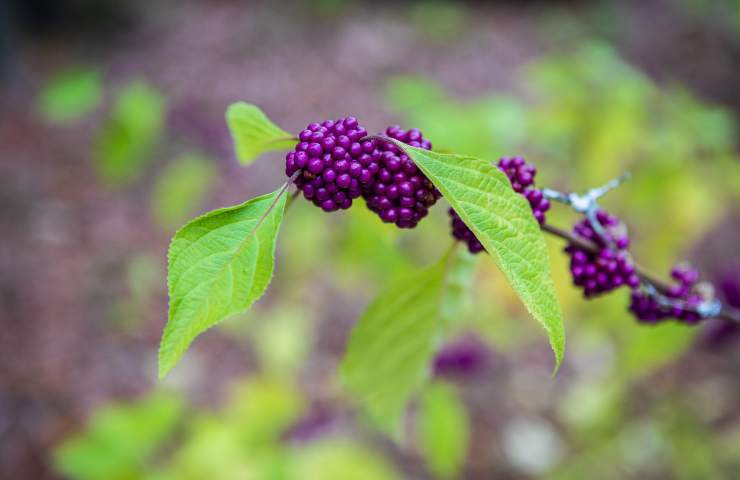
558 350
164 364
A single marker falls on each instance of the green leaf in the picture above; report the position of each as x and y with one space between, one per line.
124 146
254 133
70 95
444 430
503 222
390 348
180 189
219 264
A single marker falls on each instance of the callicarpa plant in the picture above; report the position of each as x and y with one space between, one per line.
222 262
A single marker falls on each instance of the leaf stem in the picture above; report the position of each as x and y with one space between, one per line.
282 191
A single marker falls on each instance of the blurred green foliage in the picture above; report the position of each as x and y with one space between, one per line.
144 281
70 95
122 441
444 430
125 143
393 343
154 438
181 189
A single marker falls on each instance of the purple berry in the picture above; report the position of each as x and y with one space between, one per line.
521 175
466 356
610 267
401 193
328 160
462 233
682 295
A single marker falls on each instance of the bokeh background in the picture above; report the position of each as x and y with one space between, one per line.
112 134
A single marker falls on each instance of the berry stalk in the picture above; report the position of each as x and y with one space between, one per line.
727 313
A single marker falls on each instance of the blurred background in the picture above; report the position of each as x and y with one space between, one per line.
112 135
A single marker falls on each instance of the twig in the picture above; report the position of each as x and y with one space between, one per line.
727 313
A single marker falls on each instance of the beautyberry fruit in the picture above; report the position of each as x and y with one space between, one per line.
462 233
521 175
681 300
331 164
610 267
401 194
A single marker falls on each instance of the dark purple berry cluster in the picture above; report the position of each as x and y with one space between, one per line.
521 175
462 233
332 165
610 267
463 357
401 194
682 300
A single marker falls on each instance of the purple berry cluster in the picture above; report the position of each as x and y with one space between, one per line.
463 357
401 193
462 233
521 175
610 267
332 165
682 296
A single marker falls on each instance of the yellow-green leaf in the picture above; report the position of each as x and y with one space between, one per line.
443 429
391 346
254 133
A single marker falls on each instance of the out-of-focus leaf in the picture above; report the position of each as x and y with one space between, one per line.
691 445
213 449
219 264
70 95
652 348
444 430
367 249
244 440
254 133
390 348
124 146
503 222
283 339
262 408
180 189
144 273
119 441
487 127
339 459
458 289
409 93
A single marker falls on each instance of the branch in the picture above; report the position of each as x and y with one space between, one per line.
727 313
